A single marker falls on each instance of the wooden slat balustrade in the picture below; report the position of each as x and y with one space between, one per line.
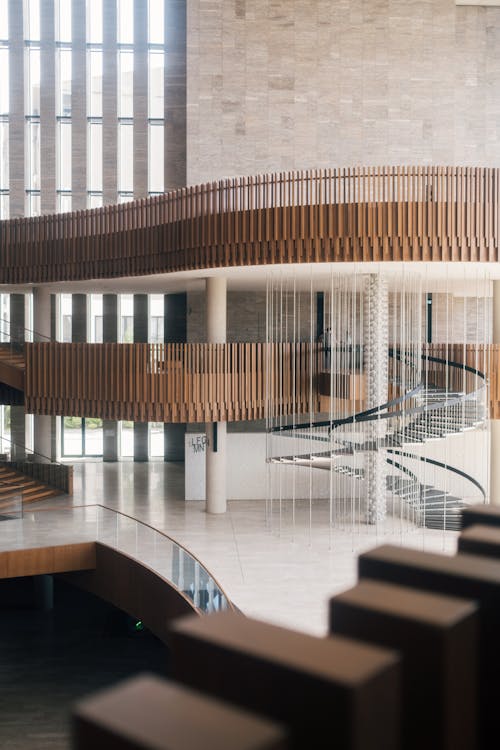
336 215
170 382
493 373
209 382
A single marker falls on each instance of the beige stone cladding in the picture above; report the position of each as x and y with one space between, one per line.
318 83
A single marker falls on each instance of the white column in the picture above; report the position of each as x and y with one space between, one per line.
495 423
216 290
42 424
216 501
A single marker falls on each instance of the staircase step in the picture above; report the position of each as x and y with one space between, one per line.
29 488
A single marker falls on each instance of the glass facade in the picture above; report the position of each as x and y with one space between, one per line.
114 119
116 108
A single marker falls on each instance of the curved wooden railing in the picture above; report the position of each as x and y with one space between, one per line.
170 382
359 214
206 382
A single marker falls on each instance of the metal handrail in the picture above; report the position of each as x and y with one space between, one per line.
33 335
442 465
380 411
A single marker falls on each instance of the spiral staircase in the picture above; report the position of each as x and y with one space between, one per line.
432 410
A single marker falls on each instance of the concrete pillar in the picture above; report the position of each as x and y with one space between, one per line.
17 415
17 319
43 442
216 291
377 369
79 318
47 109
175 95
216 500
42 314
109 336
495 423
16 110
43 587
141 431
78 106
175 331
141 314
109 104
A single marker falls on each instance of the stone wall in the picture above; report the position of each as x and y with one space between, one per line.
288 85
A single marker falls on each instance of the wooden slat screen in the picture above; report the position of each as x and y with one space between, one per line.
170 382
494 380
360 214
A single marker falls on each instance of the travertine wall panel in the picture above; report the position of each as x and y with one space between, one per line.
109 103
140 154
319 83
47 110
16 115
246 317
79 107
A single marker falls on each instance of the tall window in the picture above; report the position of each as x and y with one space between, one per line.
63 81
4 20
95 322
156 313
32 20
125 31
125 159
63 21
64 156
156 104
94 21
66 314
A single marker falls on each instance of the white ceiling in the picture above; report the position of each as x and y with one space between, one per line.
459 277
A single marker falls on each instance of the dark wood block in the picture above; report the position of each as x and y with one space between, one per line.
332 687
437 637
467 576
486 515
147 712
480 540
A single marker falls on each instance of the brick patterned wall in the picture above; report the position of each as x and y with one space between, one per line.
246 316
318 83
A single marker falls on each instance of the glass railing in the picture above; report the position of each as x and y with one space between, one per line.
35 465
11 333
137 539
11 501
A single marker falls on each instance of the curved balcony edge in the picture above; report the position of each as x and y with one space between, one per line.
357 214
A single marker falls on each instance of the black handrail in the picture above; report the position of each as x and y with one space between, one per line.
19 328
375 412
441 465
405 470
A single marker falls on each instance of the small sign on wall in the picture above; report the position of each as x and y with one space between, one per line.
195 444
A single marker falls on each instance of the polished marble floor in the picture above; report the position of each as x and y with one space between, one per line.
277 571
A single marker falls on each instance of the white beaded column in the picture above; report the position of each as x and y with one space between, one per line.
377 369
216 501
